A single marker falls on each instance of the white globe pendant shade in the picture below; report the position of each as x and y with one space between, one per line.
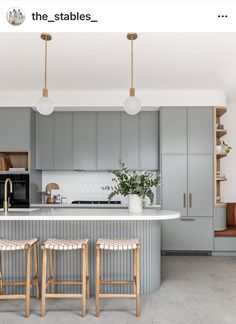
132 105
45 106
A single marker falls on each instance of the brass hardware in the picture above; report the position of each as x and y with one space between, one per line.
187 219
185 200
132 37
45 37
190 200
6 203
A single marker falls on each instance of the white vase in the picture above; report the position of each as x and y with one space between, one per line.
135 204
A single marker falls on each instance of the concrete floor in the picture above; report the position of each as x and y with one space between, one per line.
195 290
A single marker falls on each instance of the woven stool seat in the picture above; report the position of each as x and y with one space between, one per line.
61 244
12 245
124 244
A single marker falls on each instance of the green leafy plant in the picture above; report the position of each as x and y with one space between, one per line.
136 183
226 147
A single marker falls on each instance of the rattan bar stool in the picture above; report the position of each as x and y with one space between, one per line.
28 246
110 244
53 244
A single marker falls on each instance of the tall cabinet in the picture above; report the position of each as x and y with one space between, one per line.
187 177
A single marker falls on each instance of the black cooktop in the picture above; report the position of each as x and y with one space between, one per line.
96 202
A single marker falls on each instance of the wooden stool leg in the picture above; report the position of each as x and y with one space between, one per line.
36 270
1 276
98 270
84 273
44 279
51 266
138 281
27 299
87 274
135 268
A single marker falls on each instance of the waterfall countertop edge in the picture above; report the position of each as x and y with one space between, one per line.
92 214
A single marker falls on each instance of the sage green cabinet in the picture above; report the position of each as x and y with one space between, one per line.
200 130
97 140
44 142
200 185
187 130
130 140
174 183
15 129
63 141
54 141
188 234
174 130
149 140
84 140
108 140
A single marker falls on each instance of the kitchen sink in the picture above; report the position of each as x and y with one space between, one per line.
21 209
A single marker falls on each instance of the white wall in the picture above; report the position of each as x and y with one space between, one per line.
228 164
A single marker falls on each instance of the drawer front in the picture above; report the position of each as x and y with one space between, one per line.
225 243
188 234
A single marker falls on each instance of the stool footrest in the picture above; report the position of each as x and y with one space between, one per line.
117 295
12 297
63 295
111 282
62 282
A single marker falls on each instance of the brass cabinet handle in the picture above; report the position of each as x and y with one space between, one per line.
190 200
185 200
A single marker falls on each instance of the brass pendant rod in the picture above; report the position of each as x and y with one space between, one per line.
46 63
132 63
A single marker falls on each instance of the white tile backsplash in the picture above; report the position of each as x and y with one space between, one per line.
78 185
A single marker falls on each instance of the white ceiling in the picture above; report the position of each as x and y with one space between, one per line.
101 62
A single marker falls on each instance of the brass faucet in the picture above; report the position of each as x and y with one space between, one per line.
6 203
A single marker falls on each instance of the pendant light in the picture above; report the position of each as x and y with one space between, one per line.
44 105
132 104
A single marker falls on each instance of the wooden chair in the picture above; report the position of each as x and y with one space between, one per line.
48 247
28 246
120 245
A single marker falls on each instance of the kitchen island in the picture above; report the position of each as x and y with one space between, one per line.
91 223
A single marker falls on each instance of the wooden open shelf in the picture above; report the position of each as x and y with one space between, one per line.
218 133
220 111
221 179
221 132
220 155
17 159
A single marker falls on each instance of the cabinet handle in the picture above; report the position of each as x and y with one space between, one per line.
187 219
190 200
185 200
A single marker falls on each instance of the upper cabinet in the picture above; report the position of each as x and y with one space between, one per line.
174 130
130 140
15 132
84 140
200 130
187 130
149 140
97 140
63 141
108 140
54 141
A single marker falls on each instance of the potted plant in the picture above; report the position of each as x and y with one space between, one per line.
136 185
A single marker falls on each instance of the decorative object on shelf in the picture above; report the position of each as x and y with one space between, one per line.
44 105
48 192
219 126
132 104
5 162
226 147
136 185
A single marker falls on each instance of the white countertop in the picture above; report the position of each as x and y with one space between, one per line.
85 206
90 214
